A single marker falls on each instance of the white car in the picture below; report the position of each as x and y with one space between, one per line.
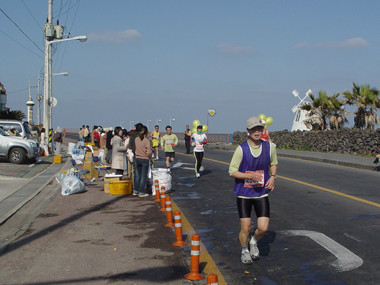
17 149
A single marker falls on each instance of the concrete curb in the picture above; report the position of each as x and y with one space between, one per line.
5 216
329 161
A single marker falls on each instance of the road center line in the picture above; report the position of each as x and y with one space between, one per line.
332 191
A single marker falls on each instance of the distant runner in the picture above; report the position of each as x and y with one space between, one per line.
187 138
168 143
254 167
198 140
155 141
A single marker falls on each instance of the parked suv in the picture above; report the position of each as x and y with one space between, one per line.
17 149
22 128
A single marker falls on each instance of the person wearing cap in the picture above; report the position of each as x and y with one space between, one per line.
198 140
254 167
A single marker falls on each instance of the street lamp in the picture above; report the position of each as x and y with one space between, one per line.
158 121
147 123
61 73
47 121
131 124
171 120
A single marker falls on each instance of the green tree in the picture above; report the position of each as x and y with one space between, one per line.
338 116
367 102
12 115
319 111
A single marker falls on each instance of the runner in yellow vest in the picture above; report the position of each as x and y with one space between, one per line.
155 141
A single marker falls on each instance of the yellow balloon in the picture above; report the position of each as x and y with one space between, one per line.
194 130
269 121
262 117
204 128
196 123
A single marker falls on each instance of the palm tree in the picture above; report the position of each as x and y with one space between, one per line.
12 115
319 111
338 116
367 101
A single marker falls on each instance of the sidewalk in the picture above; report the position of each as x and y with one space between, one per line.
16 192
91 237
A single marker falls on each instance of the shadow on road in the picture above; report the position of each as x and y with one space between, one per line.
19 243
152 275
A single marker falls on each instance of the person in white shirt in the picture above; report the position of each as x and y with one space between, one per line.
44 142
198 140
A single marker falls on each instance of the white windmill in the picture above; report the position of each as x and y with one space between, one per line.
300 115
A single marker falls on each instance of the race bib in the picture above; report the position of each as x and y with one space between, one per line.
249 183
199 147
169 142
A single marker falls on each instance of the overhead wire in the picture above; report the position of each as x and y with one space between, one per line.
39 55
70 28
21 30
31 14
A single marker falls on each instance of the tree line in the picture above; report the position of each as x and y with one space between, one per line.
329 111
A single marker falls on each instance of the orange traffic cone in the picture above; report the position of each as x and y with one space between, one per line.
169 212
162 199
178 229
157 189
212 279
194 262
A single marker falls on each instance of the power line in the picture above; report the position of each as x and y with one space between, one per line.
31 14
70 28
21 30
39 55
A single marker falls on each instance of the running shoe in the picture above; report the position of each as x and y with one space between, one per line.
254 251
246 258
201 168
142 195
135 193
197 175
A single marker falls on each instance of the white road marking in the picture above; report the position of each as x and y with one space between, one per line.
179 164
346 260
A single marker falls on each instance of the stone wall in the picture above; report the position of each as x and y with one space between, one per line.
349 141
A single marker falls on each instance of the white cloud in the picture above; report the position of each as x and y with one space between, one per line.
231 48
349 43
302 45
116 37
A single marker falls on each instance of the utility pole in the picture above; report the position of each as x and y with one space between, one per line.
39 98
49 35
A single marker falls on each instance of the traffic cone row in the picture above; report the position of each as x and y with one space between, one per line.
166 205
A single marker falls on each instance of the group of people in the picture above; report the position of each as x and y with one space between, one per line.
96 135
253 166
138 149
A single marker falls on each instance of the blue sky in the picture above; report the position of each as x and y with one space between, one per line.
150 60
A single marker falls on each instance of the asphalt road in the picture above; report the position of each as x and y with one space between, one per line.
324 229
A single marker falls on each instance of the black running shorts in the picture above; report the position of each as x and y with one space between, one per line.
170 154
261 206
